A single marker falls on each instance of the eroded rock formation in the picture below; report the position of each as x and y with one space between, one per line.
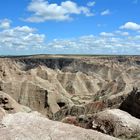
117 123
70 89
132 103
33 126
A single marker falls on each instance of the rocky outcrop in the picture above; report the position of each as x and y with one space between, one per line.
84 121
33 126
113 101
117 123
9 105
132 103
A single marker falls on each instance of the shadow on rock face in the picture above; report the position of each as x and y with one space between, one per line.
132 103
53 63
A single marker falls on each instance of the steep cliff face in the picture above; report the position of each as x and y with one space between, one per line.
132 103
58 86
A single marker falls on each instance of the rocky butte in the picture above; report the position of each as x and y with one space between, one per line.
51 97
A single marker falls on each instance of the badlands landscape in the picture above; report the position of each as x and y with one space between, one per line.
69 97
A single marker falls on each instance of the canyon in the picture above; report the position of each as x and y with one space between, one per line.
70 92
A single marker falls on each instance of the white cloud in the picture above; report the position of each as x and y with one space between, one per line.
130 26
98 45
122 33
91 3
43 11
105 12
106 34
104 43
5 24
24 29
21 37
25 38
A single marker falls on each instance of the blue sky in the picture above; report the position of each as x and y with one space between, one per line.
69 27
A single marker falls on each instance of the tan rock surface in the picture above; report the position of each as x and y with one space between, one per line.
2 114
33 126
117 123
9 105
